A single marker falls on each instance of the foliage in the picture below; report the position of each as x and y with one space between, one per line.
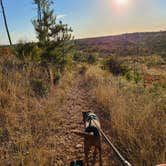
79 57
91 58
28 51
54 38
164 85
155 60
116 66
133 76
45 20
163 54
134 115
57 77
39 88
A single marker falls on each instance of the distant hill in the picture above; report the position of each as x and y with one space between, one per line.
126 43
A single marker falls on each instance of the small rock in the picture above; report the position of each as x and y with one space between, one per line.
78 146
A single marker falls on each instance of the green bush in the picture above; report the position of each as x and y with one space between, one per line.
116 66
78 57
39 88
164 85
131 76
85 57
91 58
137 77
155 61
57 77
29 51
163 54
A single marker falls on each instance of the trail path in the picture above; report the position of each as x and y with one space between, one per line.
69 146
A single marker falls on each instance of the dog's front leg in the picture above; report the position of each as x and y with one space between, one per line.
86 151
94 156
100 154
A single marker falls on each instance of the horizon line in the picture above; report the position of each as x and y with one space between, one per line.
101 36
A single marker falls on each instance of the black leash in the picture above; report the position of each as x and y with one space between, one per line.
122 159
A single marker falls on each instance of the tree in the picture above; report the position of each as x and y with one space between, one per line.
45 25
45 20
54 38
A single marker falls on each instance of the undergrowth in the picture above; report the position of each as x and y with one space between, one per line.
137 114
29 113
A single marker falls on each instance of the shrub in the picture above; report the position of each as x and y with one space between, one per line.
155 61
57 77
78 57
91 58
29 51
163 54
36 53
116 66
164 85
131 76
39 88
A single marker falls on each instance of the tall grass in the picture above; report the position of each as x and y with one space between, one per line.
29 120
138 116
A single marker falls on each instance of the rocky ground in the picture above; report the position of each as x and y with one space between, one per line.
69 147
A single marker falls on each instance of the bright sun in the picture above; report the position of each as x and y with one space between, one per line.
122 2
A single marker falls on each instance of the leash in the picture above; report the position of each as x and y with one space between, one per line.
122 159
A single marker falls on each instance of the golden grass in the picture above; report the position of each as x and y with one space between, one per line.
138 116
28 123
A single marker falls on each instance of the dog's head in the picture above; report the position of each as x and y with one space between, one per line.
88 116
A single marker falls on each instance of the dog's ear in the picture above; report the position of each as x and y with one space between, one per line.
84 115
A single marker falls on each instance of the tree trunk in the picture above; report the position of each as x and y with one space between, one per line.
51 75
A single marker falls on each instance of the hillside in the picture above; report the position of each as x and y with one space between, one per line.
42 100
147 42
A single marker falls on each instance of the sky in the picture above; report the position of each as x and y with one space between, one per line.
88 18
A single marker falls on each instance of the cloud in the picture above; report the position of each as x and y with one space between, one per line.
60 16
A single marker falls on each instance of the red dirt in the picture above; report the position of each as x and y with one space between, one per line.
69 146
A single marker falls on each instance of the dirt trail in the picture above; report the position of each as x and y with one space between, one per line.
69 146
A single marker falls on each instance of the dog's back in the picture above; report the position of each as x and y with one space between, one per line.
91 135
92 127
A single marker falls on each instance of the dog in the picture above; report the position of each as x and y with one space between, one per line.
92 136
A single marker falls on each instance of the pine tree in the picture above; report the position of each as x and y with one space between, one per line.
54 38
45 25
45 20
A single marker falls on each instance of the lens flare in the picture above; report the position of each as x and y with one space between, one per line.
122 2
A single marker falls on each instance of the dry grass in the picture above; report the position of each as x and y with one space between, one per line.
28 122
138 116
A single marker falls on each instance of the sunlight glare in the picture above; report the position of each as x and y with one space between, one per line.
122 2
